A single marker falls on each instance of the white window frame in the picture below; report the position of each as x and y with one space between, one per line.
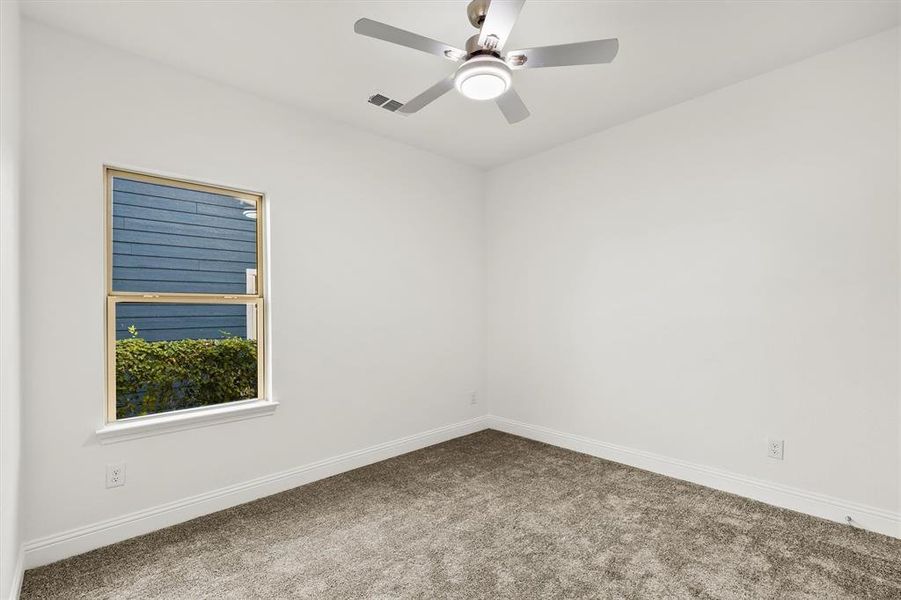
115 429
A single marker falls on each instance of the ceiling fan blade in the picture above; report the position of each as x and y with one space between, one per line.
499 21
512 106
428 96
581 53
381 31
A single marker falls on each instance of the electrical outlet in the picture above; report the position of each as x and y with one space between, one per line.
473 398
115 475
775 449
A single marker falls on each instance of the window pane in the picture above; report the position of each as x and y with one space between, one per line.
169 239
175 356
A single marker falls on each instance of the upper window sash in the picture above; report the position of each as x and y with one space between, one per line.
168 237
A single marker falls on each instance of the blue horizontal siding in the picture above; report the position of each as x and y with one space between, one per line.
180 275
143 236
173 193
150 309
183 230
165 262
155 322
179 287
233 211
208 254
186 218
169 239
170 323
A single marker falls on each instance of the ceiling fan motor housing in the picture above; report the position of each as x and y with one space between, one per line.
473 48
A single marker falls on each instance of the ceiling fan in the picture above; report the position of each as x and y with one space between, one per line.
486 73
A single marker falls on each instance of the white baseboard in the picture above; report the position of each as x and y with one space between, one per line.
75 541
82 539
15 585
811 503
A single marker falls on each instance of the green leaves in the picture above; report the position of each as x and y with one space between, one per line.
154 377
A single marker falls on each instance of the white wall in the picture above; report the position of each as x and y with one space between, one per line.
375 279
10 397
722 271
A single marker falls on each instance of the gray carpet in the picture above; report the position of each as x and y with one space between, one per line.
489 516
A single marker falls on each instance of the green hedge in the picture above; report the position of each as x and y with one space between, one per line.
153 377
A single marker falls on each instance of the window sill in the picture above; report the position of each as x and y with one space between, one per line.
192 418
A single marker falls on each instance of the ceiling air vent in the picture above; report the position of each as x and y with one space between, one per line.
385 102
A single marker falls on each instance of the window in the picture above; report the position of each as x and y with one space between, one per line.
185 295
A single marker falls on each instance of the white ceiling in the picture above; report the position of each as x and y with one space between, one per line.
305 53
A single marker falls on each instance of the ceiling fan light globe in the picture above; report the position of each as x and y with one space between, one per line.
483 78
483 86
